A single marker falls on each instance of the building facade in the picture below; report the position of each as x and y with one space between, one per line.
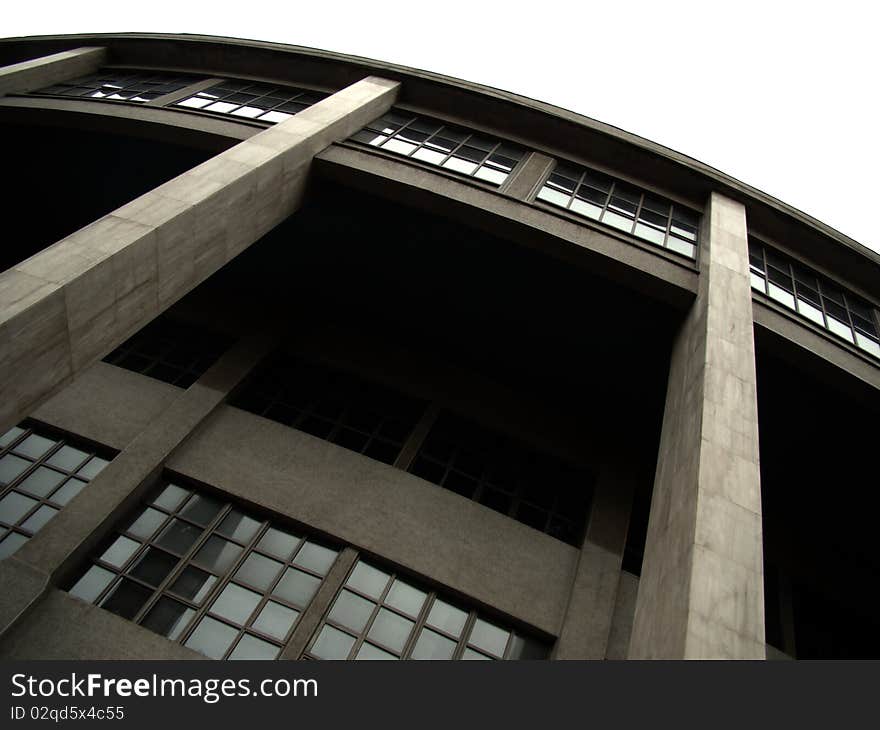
311 356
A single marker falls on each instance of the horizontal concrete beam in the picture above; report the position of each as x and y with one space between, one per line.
68 306
47 70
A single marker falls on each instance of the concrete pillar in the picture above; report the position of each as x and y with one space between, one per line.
528 177
701 591
72 303
587 623
38 73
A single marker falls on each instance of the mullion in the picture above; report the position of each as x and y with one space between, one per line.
419 626
465 635
638 212
576 190
379 604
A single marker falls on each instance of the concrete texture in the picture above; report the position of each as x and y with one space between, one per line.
48 70
527 178
429 530
63 627
622 620
108 404
701 593
69 305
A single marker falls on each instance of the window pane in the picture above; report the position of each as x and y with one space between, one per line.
374 653
238 526
390 629
332 644
201 509
211 638
406 598
217 554
278 543
489 637
146 523
42 481
94 581
250 647
368 580
126 598
92 467
67 458
35 446
168 618
12 542
193 584
275 620
432 645
170 497
14 506
153 566
11 467
179 536
259 571
297 587
352 611
446 617
235 603
120 551
315 557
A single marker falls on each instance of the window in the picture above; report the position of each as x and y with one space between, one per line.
120 85
453 148
201 571
173 352
604 199
249 100
814 297
40 472
380 615
332 405
506 476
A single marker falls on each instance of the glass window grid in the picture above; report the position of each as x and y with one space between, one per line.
364 417
173 352
814 297
187 559
463 640
72 476
622 206
506 476
251 100
453 148
119 85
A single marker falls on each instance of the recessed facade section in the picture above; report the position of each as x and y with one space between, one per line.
170 351
452 148
333 405
379 615
814 297
600 197
40 472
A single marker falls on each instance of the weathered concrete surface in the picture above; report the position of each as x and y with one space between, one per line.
701 589
622 621
63 627
22 587
71 304
108 404
585 631
429 530
48 70
528 176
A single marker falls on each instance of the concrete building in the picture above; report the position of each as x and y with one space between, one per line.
306 355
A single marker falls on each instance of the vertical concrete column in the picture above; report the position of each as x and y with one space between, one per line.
71 304
37 73
587 623
72 533
701 591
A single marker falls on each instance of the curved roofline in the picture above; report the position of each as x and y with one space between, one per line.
397 70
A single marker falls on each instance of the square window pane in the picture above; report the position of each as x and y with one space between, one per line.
275 117
586 208
250 112
235 603
168 618
126 598
550 195
370 652
92 467
428 155
201 509
315 557
868 344
618 221
432 645
10 436
459 165
405 598
332 644
239 526
120 550
399 146
170 497
522 648
277 542
179 536
446 617
682 247
490 175
35 446
211 638
193 584
14 506
841 329
89 587
222 107
11 467
153 566
488 637
649 233
390 629
250 647
275 620
297 587
217 554
368 580
352 611
259 571
12 542
146 523
42 481
471 655
67 458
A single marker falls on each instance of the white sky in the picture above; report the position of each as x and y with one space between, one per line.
781 95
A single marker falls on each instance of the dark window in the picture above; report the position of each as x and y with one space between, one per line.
249 100
380 615
120 85
814 297
201 571
339 407
596 196
40 472
170 351
452 148
506 476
